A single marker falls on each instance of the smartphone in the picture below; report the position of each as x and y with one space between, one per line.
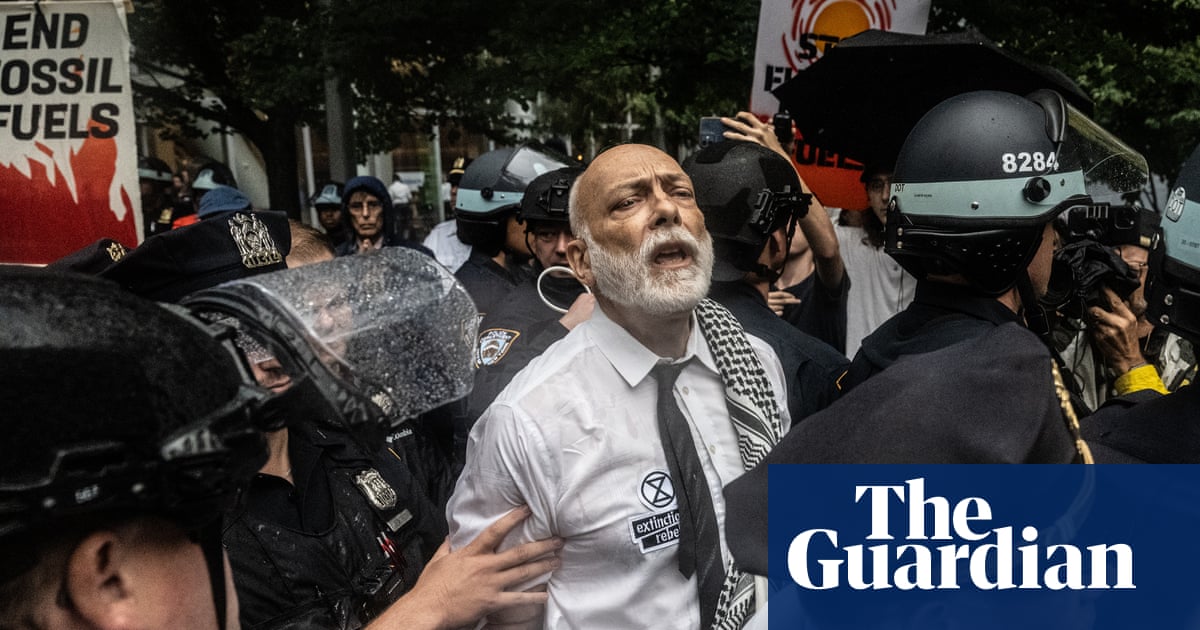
712 130
783 128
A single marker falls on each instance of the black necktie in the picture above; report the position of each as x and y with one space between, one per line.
699 538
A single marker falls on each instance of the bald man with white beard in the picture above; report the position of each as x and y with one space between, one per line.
579 434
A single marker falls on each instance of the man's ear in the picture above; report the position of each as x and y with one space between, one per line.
97 584
581 262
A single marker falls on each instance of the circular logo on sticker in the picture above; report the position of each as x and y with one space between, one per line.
657 491
1175 204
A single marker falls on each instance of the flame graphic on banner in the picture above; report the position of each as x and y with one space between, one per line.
45 220
818 25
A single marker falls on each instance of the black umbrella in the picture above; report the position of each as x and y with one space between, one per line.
863 96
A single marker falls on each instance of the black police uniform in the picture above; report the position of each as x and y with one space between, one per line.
487 282
939 315
812 367
893 419
1156 430
821 311
520 328
348 539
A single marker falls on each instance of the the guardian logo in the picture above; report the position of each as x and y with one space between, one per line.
950 547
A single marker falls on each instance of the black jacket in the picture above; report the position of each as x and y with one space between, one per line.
812 367
990 399
488 283
325 555
940 315
1147 428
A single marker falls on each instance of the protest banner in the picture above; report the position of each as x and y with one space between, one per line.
792 34
68 156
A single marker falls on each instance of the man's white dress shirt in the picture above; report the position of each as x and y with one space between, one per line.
575 437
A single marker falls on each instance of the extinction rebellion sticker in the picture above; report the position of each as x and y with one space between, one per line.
659 528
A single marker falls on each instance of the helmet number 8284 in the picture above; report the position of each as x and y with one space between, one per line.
1025 162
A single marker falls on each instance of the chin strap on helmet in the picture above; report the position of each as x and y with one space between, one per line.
1037 319
209 538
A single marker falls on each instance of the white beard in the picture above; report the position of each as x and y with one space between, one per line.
628 278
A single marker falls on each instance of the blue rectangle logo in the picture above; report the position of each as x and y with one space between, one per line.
981 546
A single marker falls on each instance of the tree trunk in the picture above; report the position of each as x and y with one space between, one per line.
280 154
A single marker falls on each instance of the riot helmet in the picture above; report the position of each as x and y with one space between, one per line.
982 173
546 197
330 194
154 169
746 192
373 339
212 175
116 407
491 189
1173 285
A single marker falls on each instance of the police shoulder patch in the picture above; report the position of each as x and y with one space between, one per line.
494 343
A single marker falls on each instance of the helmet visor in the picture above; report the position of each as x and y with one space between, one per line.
393 324
526 164
1110 169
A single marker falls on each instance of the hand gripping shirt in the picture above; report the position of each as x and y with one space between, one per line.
575 437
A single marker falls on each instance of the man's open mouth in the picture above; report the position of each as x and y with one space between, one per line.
676 254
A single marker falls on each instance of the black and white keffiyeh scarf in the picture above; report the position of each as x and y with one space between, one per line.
755 415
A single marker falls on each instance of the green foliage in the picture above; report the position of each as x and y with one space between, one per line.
600 72
657 64
1139 61
586 67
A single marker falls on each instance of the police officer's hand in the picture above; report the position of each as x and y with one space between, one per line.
778 300
580 311
1115 334
459 587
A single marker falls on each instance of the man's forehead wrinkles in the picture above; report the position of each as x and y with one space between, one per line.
645 178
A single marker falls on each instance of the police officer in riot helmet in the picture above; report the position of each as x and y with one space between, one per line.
752 199
113 478
335 527
1163 430
977 186
957 377
341 521
539 311
487 205
978 183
